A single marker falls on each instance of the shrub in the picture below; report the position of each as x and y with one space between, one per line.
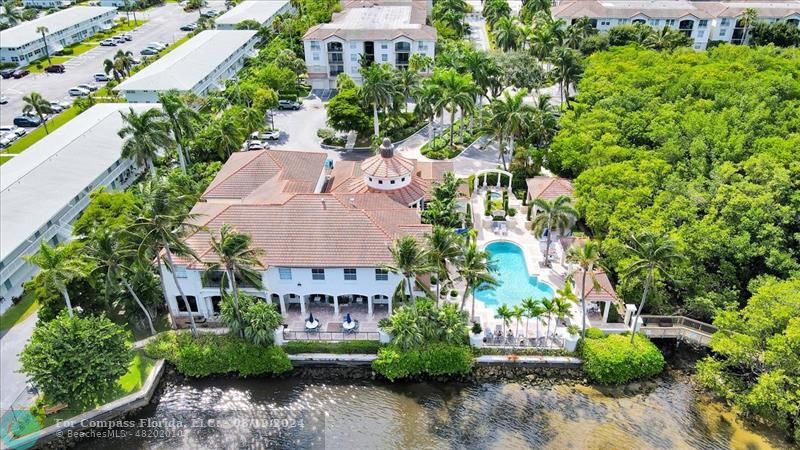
326 133
212 354
259 319
8 65
476 328
614 360
512 212
594 333
433 360
342 348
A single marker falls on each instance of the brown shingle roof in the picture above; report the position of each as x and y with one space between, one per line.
548 188
605 292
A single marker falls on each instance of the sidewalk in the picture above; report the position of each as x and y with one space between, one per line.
12 383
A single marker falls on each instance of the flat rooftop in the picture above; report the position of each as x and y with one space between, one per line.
25 32
258 10
187 65
376 22
42 180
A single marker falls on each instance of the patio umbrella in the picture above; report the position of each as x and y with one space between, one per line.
347 318
310 318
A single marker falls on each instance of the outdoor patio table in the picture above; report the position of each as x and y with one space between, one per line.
312 326
349 326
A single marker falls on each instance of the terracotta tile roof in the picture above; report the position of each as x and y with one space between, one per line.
549 188
605 292
568 242
672 9
347 177
394 166
260 173
311 230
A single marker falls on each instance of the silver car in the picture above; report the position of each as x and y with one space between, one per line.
12 129
78 92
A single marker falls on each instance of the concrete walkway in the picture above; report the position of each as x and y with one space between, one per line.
12 383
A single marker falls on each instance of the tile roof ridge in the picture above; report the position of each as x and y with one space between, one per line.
256 154
366 213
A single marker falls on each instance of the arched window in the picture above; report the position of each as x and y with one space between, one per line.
402 53
795 22
686 27
635 21
335 58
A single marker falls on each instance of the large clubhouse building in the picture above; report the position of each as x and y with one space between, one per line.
366 33
324 232
702 21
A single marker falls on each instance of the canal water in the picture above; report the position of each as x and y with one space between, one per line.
263 413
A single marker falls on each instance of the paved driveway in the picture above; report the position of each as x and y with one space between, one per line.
12 383
163 25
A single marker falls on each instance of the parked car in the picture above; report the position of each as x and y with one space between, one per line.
27 121
118 40
19 73
209 13
6 139
271 135
78 92
3 99
101 77
148 51
55 68
88 87
7 73
256 145
158 45
108 43
127 36
189 27
288 104
56 107
12 129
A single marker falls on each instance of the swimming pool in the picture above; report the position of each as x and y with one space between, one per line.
512 274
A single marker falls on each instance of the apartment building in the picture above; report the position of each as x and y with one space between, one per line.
262 11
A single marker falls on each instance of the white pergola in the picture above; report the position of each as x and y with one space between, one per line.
485 173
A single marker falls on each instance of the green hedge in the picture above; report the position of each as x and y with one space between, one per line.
432 360
344 348
212 354
614 360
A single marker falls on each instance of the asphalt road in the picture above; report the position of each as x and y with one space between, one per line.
162 25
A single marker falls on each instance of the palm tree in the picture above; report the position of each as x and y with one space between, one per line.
549 306
533 310
651 256
226 137
35 103
494 10
587 257
517 313
57 267
159 229
476 268
10 13
182 120
567 69
43 31
506 34
457 91
747 18
377 90
556 215
145 135
504 313
114 68
444 246
512 111
426 97
237 260
420 62
484 70
407 82
114 259
408 259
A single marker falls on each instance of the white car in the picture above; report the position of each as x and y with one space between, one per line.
272 135
78 92
119 39
6 139
88 87
3 99
56 107
158 45
256 145
101 77
127 36
12 129
108 43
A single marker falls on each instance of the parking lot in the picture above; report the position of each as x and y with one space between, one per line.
162 25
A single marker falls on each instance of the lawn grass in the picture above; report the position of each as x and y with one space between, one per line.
34 136
132 381
19 312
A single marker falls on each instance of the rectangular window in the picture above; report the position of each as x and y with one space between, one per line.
381 275
315 56
180 271
701 33
318 274
670 22
215 304
723 32
703 23
182 306
384 46
285 273
350 274
354 45
354 57
315 46
384 58
725 22
655 22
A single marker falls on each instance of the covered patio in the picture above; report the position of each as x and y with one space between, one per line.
330 323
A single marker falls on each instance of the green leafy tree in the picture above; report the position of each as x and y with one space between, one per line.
512 113
251 317
409 259
747 18
10 13
457 91
567 69
404 328
506 34
57 267
76 360
36 104
345 112
556 215
145 135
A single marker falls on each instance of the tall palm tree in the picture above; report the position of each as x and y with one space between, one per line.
377 90
182 120
567 69
43 31
476 267
35 103
651 256
533 310
549 306
587 257
506 34
420 62
160 229
237 260
517 313
747 18
457 91
444 246
10 13
505 314
512 111
409 259
114 258
484 70
556 215
57 267
114 68
145 135
494 10
226 136
407 82
426 97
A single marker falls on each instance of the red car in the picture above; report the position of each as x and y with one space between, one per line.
55 68
19 73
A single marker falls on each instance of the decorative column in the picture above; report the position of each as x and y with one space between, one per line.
390 306
486 179
283 305
498 180
605 312
369 305
475 182
510 177
336 305
303 305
